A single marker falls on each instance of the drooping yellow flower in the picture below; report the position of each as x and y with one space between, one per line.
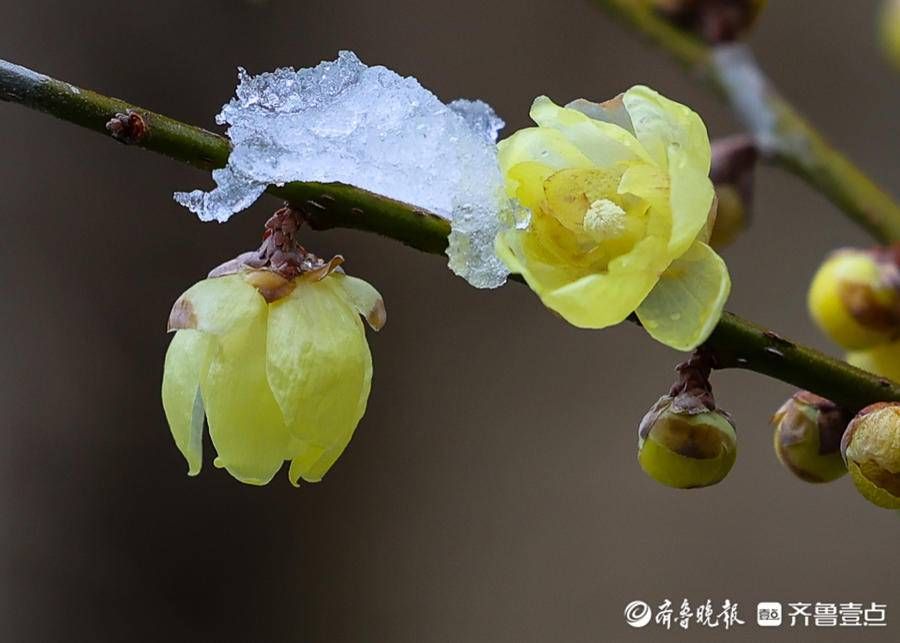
279 367
620 199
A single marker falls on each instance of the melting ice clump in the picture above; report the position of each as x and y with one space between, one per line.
343 121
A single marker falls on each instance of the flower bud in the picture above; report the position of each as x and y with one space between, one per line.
871 449
684 443
715 21
855 297
890 31
808 431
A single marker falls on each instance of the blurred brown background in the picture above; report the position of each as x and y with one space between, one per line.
491 492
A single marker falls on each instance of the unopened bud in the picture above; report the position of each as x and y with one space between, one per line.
871 449
686 447
683 440
808 431
855 297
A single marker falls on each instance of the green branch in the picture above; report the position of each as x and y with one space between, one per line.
784 136
736 343
330 205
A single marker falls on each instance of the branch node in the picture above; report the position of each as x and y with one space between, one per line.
128 127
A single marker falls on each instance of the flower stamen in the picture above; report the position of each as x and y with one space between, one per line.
604 219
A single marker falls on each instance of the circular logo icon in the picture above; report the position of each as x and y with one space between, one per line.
637 613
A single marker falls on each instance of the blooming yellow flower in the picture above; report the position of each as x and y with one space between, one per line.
279 367
620 199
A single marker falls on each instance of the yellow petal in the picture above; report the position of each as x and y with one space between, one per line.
319 365
527 183
545 146
187 361
692 195
314 463
584 299
217 305
661 124
650 183
603 143
524 254
685 306
245 423
365 299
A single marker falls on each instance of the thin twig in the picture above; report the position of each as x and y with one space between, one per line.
736 343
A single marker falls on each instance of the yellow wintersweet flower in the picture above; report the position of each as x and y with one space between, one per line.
280 368
620 199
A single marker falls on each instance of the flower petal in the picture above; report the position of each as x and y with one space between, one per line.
245 423
523 253
319 365
365 299
685 306
583 298
526 181
650 183
660 124
217 305
692 197
603 143
187 362
600 300
314 463
545 146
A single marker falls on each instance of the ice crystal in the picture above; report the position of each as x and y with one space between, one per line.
343 121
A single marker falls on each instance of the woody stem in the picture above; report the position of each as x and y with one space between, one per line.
735 343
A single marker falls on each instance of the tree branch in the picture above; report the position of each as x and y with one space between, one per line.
331 205
736 343
784 136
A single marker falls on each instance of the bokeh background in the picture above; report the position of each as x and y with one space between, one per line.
491 492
